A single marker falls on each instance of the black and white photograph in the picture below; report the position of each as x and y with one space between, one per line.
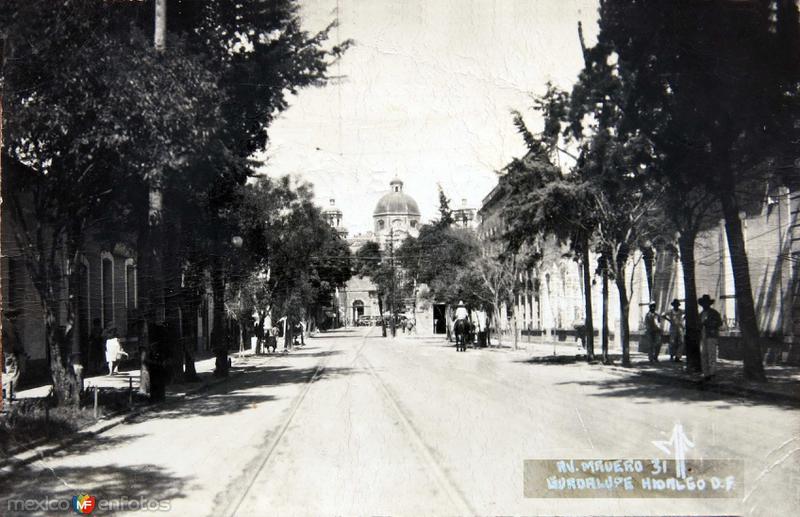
400 258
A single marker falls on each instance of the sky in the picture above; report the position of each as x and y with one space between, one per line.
425 95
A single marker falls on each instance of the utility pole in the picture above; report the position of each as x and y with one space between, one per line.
391 294
2 83
154 306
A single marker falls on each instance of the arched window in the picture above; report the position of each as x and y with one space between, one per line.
381 224
358 310
107 288
131 285
84 298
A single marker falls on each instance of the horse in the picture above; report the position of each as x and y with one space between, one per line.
462 329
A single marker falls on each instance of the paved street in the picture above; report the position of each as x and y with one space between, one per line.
357 424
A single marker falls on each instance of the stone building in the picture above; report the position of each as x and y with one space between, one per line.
549 297
395 217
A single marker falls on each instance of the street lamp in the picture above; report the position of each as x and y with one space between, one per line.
237 241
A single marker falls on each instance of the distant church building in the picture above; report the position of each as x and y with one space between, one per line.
333 215
396 216
464 216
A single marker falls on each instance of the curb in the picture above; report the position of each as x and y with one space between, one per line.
26 456
724 389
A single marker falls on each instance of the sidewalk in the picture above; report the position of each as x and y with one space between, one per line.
783 382
131 378
28 451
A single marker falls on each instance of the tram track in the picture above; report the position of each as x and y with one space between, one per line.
439 473
262 463
445 483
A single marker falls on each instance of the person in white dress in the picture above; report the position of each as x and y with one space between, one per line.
114 351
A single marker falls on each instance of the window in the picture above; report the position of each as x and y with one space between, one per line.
381 224
107 286
413 224
130 284
84 286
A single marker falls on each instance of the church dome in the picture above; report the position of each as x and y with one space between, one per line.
396 202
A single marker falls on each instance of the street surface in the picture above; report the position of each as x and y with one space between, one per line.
355 424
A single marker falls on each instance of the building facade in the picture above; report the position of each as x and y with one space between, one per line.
549 297
396 216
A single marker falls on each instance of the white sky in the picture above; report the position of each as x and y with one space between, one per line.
427 97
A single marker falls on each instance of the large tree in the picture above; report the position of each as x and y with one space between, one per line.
721 80
543 202
86 104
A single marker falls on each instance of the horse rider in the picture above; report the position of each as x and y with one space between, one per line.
461 313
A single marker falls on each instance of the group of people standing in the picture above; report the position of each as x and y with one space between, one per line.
291 330
478 320
710 324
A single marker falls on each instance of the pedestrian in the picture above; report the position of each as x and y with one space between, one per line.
652 328
258 330
272 340
710 323
481 316
676 331
114 351
298 330
580 332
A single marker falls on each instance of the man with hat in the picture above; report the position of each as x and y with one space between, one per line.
461 313
675 318
652 328
710 323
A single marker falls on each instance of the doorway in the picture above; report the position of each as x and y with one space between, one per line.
439 318
358 311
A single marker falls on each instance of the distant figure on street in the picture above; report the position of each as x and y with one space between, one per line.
676 331
114 351
461 312
580 332
481 317
299 330
272 339
652 328
258 331
710 323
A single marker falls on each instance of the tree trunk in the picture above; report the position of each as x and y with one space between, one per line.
748 324
380 309
189 305
624 309
587 296
218 335
65 388
604 338
514 328
692 334
499 334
